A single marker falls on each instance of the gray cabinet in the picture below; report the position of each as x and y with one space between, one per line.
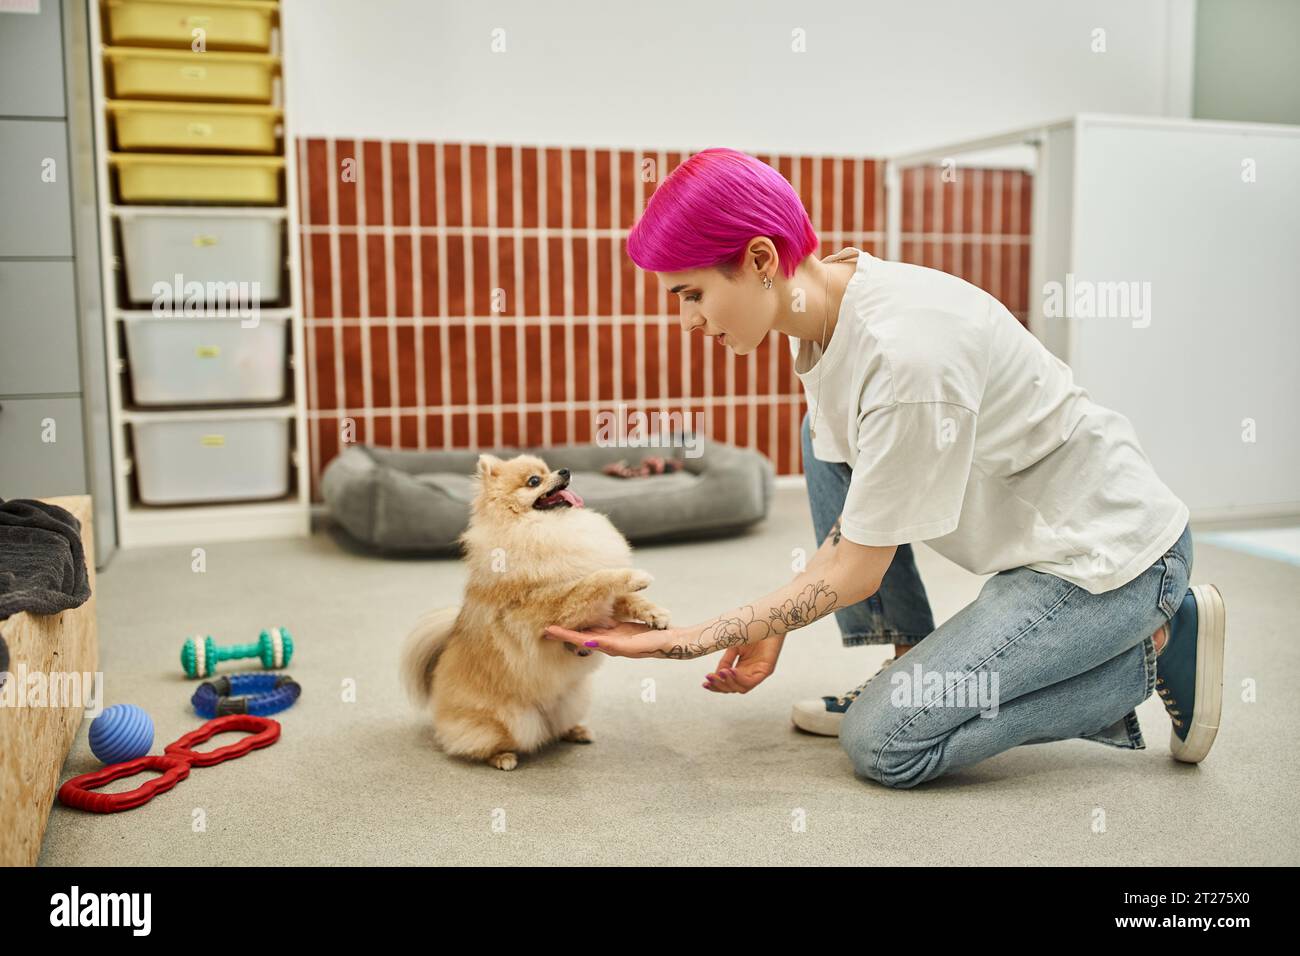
31 63
37 218
38 328
44 448
54 436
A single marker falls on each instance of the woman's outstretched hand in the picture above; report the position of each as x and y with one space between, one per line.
745 666
742 668
625 639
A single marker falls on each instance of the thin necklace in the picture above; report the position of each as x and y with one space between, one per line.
821 360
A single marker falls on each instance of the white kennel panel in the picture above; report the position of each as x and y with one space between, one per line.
1202 219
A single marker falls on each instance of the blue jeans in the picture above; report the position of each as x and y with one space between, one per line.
1032 659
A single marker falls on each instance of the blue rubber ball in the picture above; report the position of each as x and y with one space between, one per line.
122 732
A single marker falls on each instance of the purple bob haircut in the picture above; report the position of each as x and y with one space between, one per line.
710 207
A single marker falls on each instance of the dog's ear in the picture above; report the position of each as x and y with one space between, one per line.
488 465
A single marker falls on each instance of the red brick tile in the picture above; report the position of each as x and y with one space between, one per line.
652 359
407 393
349 277
317 207
628 172
507 302
403 280
484 359
532 358
427 183
429 304
580 275
578 188
354 370
554 196
410 432
400 166
323 366
372 175
555 275
487 436
629 358
528 186
559 428
604 268
452 162
508 356
381 381
376 276
482 278
322 287
456 359
456 277
503 157
346 173
431 337
460 437
605 362
559 361
582 358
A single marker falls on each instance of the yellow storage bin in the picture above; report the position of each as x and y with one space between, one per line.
141 124
169 178
233 25
182 75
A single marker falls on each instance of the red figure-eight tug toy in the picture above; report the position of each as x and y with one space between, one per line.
174 763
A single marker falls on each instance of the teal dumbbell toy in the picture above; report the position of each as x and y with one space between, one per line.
274 647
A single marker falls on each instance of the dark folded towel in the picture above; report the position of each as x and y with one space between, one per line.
42 561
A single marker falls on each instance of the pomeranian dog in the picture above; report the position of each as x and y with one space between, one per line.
493 683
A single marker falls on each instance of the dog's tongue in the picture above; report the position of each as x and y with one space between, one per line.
571 497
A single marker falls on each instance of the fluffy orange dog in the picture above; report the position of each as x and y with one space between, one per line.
493 684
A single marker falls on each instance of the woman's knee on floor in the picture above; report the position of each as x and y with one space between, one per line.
870 734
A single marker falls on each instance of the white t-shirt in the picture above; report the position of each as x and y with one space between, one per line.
965 432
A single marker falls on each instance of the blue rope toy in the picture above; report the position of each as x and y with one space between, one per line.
255 693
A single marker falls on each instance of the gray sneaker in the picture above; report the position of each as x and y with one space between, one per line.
825 714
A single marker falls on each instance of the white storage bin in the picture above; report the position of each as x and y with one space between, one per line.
206 247
196 361
196 457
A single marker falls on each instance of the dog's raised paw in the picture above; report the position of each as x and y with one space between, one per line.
578 734
504 760
638 580
657 618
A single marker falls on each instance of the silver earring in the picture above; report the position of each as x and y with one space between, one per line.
767 281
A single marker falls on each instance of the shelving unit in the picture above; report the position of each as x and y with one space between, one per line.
199 144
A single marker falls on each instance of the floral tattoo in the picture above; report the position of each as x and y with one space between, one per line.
835 531
813 602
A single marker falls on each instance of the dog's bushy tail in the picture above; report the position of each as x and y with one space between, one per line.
420 653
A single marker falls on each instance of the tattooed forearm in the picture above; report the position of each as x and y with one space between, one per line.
748 625
835 531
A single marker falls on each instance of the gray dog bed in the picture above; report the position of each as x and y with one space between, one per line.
418 501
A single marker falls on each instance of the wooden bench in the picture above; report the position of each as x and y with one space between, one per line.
35 740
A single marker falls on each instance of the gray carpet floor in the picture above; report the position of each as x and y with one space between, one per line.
690 778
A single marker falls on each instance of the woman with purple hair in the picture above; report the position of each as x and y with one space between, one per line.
934 415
